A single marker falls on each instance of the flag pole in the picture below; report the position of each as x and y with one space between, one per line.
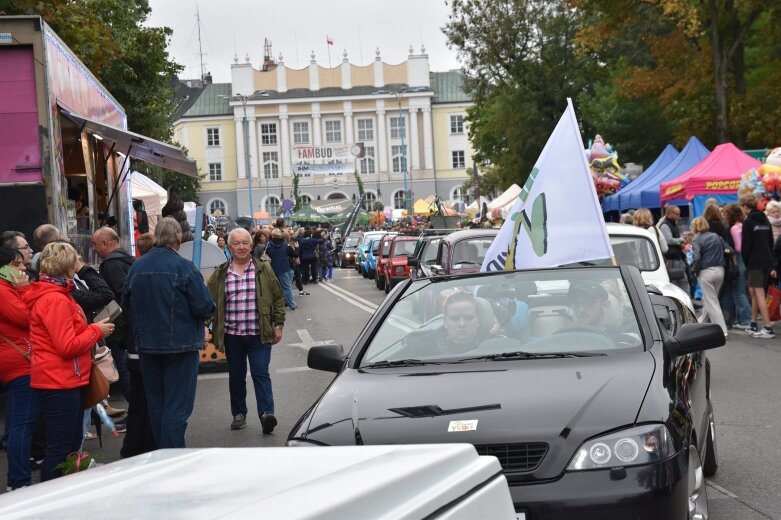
328 45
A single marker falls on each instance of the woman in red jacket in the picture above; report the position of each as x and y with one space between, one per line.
23 402
61 360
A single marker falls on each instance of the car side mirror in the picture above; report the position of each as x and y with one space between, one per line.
328 358
412 262
694 337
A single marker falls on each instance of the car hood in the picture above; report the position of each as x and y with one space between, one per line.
561 402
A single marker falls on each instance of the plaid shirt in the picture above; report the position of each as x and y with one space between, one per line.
241 310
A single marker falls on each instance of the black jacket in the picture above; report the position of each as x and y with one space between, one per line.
114 270
757 245
98 295
721 230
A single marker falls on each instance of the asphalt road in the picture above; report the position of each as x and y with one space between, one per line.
746 393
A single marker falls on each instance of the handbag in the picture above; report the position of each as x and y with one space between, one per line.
731 271
26 354
105 363
773 300
97 389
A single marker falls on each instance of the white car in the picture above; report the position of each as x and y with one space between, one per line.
639 247
438 481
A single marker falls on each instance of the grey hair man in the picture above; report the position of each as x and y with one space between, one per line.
167 302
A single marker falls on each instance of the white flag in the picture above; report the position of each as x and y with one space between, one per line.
557 218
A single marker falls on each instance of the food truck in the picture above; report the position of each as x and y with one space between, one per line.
64 144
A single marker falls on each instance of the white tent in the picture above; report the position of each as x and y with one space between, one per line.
152 194
506 198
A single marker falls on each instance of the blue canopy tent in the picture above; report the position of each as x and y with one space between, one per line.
648 197
618 201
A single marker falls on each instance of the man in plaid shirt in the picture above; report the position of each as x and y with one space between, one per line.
248 320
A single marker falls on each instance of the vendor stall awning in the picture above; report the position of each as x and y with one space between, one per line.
138 146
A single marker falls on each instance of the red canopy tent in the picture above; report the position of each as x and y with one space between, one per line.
718 174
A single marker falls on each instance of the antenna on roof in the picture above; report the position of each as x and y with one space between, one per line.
200 47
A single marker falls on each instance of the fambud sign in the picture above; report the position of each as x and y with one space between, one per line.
313 153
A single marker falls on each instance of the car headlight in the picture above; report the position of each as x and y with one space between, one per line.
632 447
298 443
347 255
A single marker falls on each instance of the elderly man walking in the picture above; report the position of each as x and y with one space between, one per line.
168 304
249 316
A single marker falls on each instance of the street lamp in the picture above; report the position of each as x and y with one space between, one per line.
243 99
398 94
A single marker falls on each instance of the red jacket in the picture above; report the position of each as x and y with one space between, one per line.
61 338
14 325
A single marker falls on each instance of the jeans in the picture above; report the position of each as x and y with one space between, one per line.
23 405
139 437
238 349
734 300
120 361
327 270
63 411
286 281
169 385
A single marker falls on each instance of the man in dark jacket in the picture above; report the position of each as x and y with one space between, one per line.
674 257
308 252
114 268
757 252
168 304
280 254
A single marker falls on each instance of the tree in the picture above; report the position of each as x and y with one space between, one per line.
521 66
296 196
489 183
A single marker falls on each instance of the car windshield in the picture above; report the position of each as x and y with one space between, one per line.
430 255
386 245
470 252
545 313
404 248
351 242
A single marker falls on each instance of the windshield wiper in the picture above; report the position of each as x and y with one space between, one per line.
399 363
531 355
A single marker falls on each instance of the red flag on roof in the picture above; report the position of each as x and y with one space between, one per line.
329 40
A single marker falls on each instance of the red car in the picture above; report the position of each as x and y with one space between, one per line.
382 258
396 267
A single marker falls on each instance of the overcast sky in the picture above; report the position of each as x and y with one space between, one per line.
296 27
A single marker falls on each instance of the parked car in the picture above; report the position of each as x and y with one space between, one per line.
591 389
382 260
462 252
442 482
397 267
425 256
364 250
370 266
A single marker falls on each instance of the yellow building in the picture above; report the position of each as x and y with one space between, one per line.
400 127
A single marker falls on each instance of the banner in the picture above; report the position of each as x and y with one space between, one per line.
336 168
557 218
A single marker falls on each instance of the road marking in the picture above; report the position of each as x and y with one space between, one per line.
722 490
350 300
351 295
291 369
307 342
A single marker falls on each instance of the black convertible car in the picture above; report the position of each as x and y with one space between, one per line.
591 388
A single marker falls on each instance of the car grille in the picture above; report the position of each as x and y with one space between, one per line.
516 457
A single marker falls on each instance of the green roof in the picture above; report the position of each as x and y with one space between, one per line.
448 87
212 101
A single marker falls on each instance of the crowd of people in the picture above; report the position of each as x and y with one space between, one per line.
725 261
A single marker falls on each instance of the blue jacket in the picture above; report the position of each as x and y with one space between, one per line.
279 252
309 247
168 303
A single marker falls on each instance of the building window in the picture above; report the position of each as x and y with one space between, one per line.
271 165
268 133
212 137
301 132
217 205
457 124
369 200
367 163
399 155
398 200
305 199
458 159
333 131
215 172
272 206
365 130
397 129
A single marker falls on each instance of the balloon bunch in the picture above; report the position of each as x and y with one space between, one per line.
605 170
763 182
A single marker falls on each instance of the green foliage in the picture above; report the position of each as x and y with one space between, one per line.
296 196
489 185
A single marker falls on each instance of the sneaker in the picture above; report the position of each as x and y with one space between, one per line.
268 422
239 421
35 464
752 329
89 436
114 412
120 426
303 293
765 333
740 326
